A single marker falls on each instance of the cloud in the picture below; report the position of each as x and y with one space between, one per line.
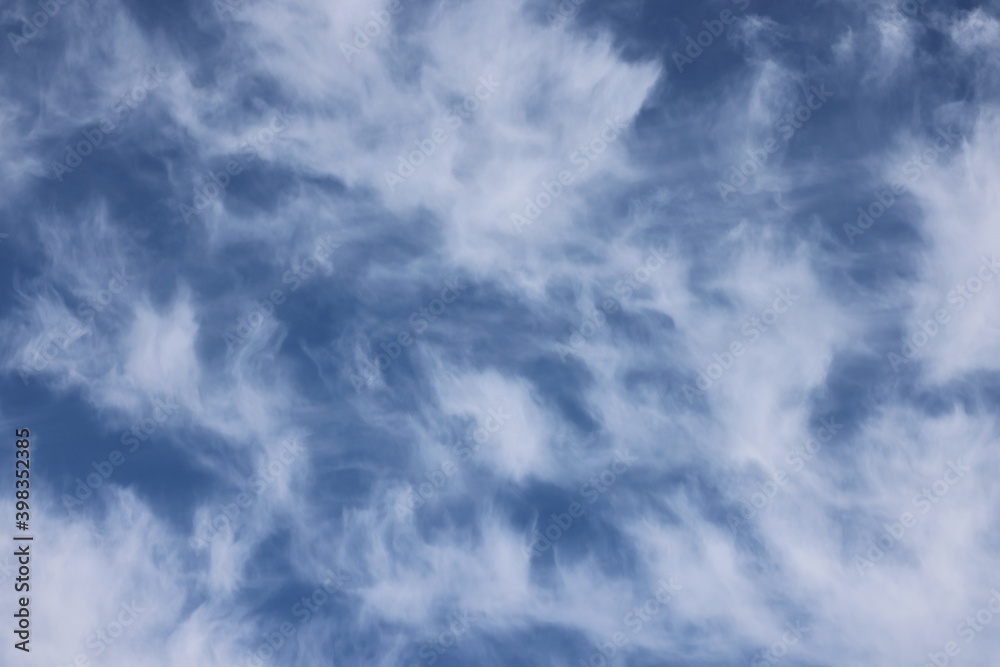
561 182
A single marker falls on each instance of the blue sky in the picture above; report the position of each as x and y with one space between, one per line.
592 332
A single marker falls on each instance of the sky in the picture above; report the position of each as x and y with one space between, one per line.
502 332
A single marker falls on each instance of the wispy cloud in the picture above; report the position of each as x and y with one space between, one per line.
604 333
